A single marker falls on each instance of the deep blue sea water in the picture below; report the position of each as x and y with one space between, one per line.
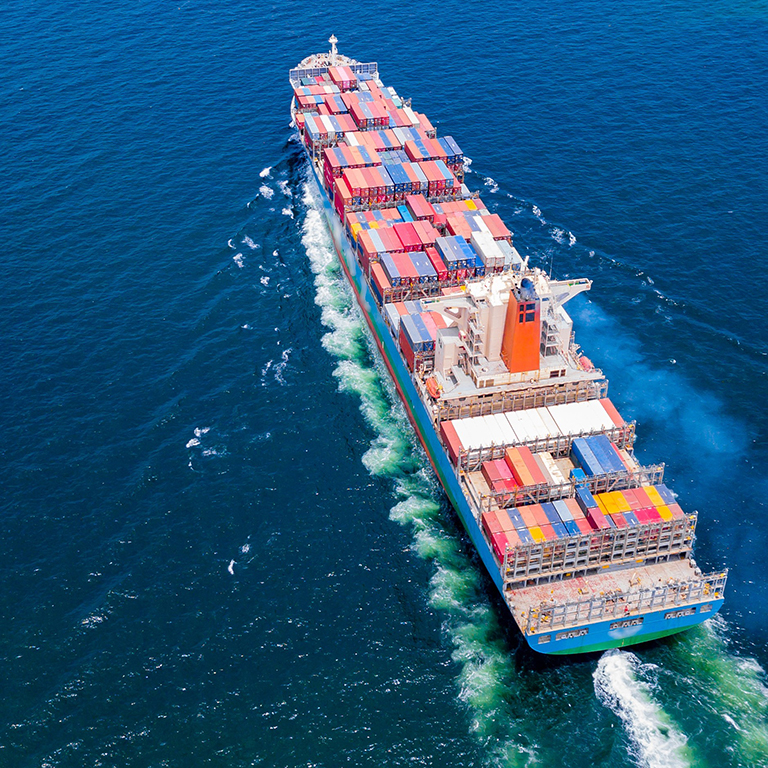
219 543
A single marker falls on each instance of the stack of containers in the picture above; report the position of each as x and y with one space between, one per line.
591 509
408 236
380 284
596 455
417 336
443 275
427 272
371 247
343 77
420 208
454 156
512 258
488 250
502 533
458 255
426 232
524 467
393 157
335 104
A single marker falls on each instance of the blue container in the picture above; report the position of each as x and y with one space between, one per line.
666 494
517 520
411 332
427 342
479 268
469 254
551 512
390 269
560 530
525 536
579 475
572 528
405 214
601 446
586 458
585 499
631 518
414 307
424 266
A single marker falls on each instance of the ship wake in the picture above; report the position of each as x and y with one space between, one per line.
485 677
653 740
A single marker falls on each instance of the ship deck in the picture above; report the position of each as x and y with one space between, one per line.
602 586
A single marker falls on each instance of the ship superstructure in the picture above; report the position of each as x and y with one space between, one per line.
588 548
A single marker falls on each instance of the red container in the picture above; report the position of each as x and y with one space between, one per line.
610 409
548 531
499 542
643 499
491 523
450 440
619 520
583 525
498 227
407 265
437 263
406 233
533 467
420 208
597 519
380 279
426 232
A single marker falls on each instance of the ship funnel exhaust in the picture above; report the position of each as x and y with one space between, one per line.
522 329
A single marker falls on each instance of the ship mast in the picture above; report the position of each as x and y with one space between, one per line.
332 40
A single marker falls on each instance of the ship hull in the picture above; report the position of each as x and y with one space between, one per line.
566 641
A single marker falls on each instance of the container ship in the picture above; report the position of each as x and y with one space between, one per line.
588 548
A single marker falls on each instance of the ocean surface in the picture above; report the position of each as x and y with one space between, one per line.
219 542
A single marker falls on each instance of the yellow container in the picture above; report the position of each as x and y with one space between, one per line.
664 512
600 499
621 502
471 205
654 496
537 534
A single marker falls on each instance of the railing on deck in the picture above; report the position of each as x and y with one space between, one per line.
557 445
538 494
624 606
577 555
484 404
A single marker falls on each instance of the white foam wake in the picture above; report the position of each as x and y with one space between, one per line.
654 741
485 669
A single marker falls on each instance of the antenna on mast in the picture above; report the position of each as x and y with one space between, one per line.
332 40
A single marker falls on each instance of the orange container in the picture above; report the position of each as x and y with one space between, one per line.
540 515
575 510
528 517
531 464
518 467
503 517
